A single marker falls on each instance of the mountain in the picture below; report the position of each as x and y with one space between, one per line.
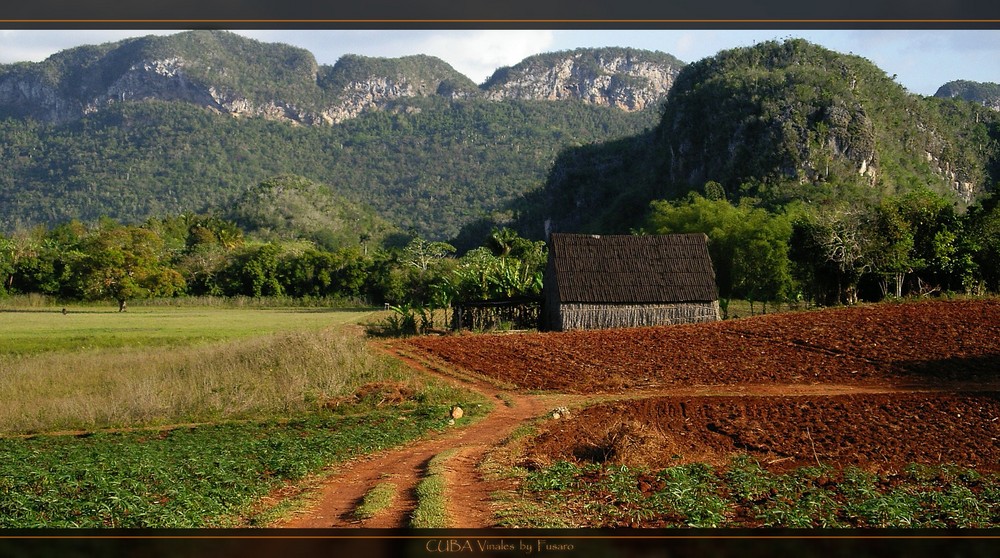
986 94
778 122
234 75
158 125
788 115
574 141
624 78
214 69
358 83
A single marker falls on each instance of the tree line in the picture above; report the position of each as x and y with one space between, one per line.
911 244
204 255
840 253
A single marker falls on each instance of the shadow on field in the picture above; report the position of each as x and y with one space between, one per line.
983 368
57 311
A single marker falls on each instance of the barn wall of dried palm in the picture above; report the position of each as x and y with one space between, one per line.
606 316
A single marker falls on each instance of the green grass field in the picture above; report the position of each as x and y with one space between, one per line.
186 416
47 330
90 369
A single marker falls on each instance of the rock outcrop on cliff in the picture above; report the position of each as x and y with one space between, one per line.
623 78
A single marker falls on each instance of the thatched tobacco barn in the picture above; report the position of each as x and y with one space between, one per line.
595 282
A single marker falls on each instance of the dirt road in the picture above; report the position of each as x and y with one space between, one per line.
468 493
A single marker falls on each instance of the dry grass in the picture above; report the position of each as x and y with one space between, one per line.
113 387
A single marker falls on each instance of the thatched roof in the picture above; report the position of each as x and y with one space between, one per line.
626 269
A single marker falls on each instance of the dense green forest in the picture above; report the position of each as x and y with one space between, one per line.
289 207
431 166
776 123
814 174
205 255
913 244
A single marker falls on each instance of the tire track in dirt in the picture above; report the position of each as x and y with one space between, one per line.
467 493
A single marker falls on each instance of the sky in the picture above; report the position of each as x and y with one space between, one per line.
922 60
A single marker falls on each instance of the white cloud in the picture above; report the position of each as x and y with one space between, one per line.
477 54
686 46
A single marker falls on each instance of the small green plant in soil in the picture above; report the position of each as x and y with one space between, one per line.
745 494
244 401
186 477
690 493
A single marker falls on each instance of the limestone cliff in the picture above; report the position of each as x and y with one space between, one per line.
356 84
628 79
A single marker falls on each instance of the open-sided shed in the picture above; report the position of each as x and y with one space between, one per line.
609 281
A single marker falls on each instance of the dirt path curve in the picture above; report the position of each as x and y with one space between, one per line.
468 493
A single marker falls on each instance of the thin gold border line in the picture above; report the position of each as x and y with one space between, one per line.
449 21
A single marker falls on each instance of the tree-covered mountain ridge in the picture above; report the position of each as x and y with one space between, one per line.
777 123
243 77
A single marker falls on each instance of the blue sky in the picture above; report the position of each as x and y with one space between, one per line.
922 60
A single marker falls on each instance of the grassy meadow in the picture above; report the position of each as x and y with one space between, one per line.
186 416
25 331
91 369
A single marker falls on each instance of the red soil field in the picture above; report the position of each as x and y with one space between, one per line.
926 343
876 386
883 432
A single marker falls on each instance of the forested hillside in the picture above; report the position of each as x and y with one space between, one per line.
289 208
776 123
430 165
160 125
814 174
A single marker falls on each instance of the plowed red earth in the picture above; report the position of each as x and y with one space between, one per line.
874 431
918 343
879 387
